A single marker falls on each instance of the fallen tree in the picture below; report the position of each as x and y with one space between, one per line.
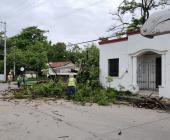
147 102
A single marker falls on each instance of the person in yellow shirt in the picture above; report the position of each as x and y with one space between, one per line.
71 85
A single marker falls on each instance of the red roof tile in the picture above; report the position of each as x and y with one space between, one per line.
107 41
58 64
113 40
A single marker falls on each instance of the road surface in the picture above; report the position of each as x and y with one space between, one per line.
5 87
61 120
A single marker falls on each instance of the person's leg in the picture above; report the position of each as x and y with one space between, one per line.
18 84
69 92
8 84
73 90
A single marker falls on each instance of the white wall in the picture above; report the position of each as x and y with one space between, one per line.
123 51
111 51
30 75
62 70
1 77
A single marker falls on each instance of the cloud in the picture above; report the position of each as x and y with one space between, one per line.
67 20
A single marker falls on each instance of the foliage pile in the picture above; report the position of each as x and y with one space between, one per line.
49 89
84 94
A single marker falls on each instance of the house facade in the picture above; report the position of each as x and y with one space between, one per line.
61 69
31 74
137 63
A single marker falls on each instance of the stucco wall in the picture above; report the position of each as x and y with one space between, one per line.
124 50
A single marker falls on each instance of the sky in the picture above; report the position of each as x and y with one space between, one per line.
66 20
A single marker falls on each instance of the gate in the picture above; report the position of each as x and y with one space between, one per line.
146 76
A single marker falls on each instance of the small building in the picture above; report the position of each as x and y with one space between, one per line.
136 63
2 77
31 74
61 69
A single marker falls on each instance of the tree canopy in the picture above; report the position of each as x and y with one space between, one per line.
132 14
57 52
31 49
89 66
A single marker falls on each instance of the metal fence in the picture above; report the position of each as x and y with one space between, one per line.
146 76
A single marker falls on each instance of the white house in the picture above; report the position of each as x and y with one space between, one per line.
31 74
61 68
137 63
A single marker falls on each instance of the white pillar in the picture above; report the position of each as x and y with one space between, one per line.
134 70
163 70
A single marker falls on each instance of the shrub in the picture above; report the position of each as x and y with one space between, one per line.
43 90
85 92
103 101
111 94
78 97
49 89
97 95
18 95
59 88
40 90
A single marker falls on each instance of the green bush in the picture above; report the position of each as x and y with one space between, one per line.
18 95
84 92
103 101
59 89
49 89
111 94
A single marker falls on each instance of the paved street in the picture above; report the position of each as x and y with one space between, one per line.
60 120
4 87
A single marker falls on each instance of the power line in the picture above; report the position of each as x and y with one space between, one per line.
62 16
34 5
89 41
26 9
80 43
79 9
20 6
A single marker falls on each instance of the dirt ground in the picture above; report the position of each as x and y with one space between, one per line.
62 120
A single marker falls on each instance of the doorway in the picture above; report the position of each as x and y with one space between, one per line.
149 72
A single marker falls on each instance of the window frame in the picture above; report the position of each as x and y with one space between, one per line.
115 72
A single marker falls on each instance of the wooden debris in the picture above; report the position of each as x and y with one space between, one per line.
150 102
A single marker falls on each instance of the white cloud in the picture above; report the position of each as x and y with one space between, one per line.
67 20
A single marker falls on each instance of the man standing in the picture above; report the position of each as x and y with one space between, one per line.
19 80
10 78
71 85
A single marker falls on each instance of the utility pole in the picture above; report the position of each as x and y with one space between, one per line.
14 62
5 39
